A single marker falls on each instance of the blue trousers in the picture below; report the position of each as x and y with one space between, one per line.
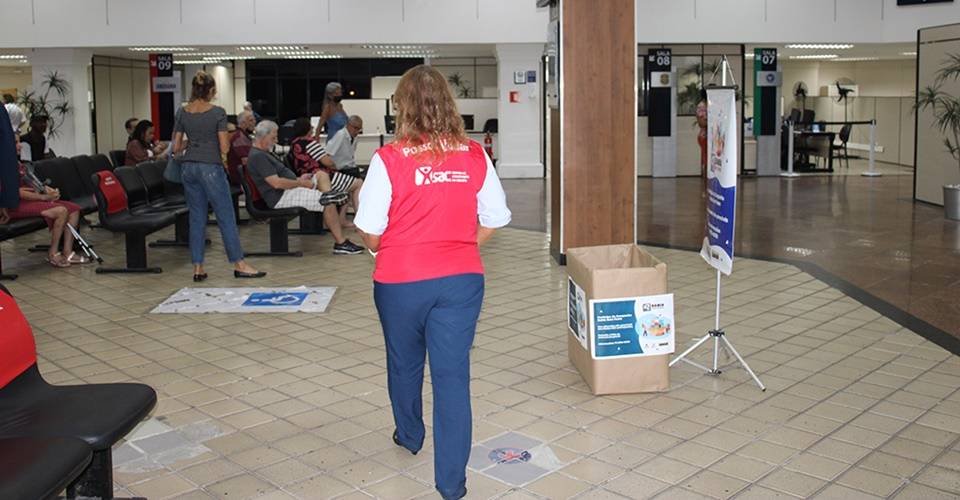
439 317
206 184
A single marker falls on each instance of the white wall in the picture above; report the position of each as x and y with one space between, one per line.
19 78
53 23
781 21
519 126
73 65
121 91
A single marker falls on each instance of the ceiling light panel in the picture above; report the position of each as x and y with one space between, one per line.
821 46
855 59
272 48
816 56
396 47
162 49
318 56
12 56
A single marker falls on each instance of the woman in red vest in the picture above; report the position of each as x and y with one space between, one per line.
430 199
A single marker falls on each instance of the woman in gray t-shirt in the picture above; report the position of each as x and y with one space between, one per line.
200 140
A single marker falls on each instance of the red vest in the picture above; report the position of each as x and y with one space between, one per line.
432 229
17 350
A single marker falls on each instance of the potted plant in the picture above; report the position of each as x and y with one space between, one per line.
462 85
50 101
946 115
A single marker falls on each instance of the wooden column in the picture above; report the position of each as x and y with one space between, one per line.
596 171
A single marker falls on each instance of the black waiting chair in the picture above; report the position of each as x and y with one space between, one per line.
158 189
99 414
137 198
278 219
116 216
87 166
40 467
840 151
118 157
62 174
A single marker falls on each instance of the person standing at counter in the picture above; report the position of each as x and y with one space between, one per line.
332 115
430 200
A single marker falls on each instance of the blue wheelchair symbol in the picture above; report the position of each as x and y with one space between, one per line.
283 299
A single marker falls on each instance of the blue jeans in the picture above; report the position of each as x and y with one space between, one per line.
203 184
438 316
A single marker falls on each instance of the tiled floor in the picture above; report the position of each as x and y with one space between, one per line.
866 231
857 407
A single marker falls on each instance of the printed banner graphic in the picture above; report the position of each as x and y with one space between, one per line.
721 179
632 326
577 312
247 300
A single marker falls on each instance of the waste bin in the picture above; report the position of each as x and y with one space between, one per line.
620 319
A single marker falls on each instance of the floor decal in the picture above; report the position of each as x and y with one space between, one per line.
247 300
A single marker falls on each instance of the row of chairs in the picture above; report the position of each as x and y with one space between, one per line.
137 201
72 176
55 437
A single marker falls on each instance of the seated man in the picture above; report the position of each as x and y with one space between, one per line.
342 148
307 156
240 144
280 187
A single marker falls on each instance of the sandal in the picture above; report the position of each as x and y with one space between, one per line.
58 260
78 259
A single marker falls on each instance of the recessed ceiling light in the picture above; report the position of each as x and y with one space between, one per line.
395 47
296 53
202 54
272 47
911 54
12 56
230 58
821 46
318 56
855 59
197 61
816 56
162 49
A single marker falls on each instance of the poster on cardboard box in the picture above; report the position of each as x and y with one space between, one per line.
632 326
577 312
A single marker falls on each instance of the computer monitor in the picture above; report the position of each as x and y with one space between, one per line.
808 116
795 115
390 123
467 122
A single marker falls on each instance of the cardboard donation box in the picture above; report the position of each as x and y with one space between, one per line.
620 319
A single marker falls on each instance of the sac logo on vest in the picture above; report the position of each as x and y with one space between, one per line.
426 175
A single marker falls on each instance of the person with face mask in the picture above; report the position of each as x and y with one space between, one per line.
332 115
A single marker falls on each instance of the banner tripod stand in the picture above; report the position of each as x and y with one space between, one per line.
717 335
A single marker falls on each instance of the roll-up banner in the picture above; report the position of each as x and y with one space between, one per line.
721 178
766 79
658 72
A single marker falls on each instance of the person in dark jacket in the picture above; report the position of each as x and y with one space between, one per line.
9 168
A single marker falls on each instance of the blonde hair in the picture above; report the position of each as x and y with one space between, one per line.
203 86
427 115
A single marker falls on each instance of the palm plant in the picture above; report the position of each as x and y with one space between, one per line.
945 106
50 101
461 85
